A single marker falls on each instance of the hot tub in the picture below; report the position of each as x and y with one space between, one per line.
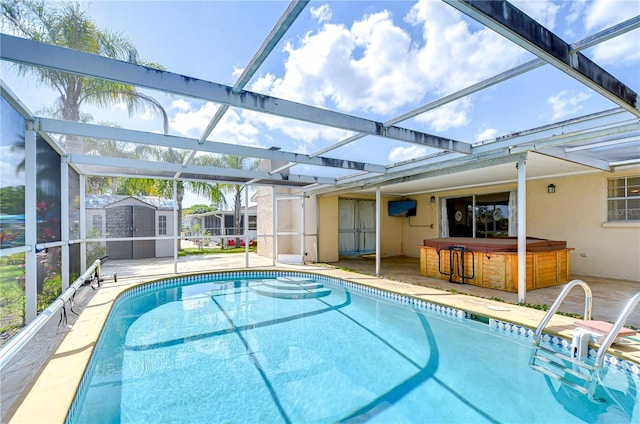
493 263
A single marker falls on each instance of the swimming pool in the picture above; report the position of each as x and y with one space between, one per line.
296 347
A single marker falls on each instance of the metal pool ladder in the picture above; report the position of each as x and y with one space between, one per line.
573 370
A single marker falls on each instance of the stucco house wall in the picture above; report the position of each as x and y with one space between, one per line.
576 213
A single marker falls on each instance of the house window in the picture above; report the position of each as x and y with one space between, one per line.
623 199
97 225
162 225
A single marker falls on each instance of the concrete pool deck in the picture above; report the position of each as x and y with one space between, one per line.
49 397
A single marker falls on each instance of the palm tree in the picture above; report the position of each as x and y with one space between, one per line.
236 162
165 187
70 26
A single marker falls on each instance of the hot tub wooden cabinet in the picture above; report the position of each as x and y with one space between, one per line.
493 263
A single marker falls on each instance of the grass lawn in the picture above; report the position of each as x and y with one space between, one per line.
11 295
209 250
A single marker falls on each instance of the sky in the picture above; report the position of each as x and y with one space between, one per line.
374 59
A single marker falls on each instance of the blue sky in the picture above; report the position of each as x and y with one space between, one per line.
371 59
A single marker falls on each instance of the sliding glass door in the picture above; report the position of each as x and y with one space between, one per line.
479 216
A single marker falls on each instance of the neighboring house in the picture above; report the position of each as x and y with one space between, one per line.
218 223
111 216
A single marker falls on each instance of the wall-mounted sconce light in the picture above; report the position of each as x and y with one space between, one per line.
433 199
551 189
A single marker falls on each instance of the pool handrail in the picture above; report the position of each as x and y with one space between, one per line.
17 342
588 302
617 326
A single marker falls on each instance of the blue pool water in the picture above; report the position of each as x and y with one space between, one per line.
292 349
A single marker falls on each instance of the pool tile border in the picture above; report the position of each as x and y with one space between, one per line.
502 327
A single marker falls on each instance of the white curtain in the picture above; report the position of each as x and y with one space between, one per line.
444 220
346 226
513 214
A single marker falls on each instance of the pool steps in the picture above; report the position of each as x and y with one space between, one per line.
291 288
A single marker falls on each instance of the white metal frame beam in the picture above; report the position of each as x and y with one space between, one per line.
215 173
30 52
510 22
140 137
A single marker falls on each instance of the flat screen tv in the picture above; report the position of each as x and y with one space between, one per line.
402 208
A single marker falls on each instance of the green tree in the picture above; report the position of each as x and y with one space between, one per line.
70 26
236 162
164 188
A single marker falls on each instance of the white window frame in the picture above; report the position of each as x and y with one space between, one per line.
97 224
630 194
162 225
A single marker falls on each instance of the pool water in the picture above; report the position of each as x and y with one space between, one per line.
298 350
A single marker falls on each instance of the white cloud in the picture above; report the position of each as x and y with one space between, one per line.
452 115
359 68
400 154
576 10
487 134
11 158
543 11
601 14
564 103
236 72
191 122
304 134
233 129
148 115
322 13
624 49
181 104
374 66
453 56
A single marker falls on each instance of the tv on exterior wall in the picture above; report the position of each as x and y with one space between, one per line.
402 208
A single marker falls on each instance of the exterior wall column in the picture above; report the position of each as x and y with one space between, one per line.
246 226
83 223
274 208
378 221
64 221
30 226
175 227
522 230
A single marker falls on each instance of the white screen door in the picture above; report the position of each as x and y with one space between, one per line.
357 226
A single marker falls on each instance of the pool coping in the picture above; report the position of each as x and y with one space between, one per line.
63 372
